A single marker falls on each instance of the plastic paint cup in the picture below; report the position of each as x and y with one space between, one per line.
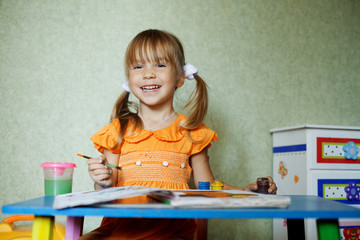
217 185
263 185
58 178
204 185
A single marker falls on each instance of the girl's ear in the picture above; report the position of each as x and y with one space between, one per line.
181 81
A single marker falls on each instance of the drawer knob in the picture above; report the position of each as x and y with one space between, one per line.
351 151
352 192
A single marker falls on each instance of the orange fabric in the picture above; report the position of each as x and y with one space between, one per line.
159 140
154 159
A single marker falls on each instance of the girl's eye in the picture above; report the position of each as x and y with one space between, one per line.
137 67
161 65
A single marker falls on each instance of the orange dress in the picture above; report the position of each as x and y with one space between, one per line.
153 159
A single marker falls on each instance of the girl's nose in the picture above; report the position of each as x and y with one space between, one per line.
149 73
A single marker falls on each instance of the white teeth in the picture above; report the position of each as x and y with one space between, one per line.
150 87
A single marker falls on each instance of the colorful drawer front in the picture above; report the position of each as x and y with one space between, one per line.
338 150
344 187
341 190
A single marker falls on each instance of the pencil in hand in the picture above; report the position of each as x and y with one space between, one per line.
106 163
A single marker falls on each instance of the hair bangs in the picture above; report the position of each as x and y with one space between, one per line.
146 51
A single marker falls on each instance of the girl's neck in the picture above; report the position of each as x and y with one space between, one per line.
156 120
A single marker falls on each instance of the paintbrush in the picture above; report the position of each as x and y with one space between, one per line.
106 163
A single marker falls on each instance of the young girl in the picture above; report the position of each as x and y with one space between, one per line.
152 144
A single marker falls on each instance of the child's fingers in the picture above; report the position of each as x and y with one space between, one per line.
102 177
96 163
251 187
273 187
96 166
99 172
100 159
271 180
254 186
98 169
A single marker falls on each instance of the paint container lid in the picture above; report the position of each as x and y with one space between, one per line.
58 165
58 168
204 185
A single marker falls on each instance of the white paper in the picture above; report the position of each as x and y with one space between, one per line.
99 196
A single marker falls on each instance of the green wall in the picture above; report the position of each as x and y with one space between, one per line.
268 64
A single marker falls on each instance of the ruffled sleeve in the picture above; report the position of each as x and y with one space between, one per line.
106 137
202 137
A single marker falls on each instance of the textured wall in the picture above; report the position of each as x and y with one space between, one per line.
268 64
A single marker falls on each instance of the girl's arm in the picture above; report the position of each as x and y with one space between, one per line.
103 175
202 170
201 167
202 173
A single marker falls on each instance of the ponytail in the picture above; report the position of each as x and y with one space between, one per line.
197 105
122 111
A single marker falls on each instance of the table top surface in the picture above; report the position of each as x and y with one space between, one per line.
302 206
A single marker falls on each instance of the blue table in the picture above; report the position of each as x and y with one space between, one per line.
325 211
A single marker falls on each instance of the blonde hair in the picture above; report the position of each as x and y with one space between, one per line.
159 45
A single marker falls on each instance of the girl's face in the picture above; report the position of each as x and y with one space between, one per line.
153 82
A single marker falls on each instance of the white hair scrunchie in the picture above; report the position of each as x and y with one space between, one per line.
190 70
126 87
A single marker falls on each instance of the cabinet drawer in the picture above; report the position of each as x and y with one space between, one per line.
341 186
335 149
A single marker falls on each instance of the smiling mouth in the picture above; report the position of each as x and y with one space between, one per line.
150 88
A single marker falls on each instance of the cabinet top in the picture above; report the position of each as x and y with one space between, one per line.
312 126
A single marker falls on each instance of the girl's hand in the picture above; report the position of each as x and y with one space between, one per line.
273 187
99 172
253 186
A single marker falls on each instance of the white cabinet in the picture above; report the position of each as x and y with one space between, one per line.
318 160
